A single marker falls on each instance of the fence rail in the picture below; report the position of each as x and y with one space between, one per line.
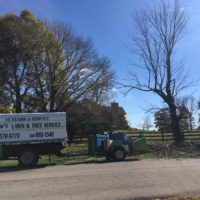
162 136
151 136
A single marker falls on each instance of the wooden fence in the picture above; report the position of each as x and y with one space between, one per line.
164 137
152 136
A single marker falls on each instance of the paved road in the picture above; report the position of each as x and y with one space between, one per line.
123 180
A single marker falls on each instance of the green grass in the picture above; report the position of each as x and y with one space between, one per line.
8 163
76 154
76 149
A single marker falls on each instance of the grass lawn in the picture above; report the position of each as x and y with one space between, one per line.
76 154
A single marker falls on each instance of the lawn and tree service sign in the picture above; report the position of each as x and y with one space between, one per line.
32 126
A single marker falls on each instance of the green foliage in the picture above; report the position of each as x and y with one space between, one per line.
19 44
27 16
83 125
184 117
46 66
6 109
90 126
162 120
73 127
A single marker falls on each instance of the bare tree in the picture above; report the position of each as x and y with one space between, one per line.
68 70
157 32
102 93
146 123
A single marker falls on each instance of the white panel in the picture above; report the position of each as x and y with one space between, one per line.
32 127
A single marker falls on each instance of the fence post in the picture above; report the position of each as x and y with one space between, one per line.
140 134
183 135
162 133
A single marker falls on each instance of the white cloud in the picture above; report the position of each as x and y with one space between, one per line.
115 90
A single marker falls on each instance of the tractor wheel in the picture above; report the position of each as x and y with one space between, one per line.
119 154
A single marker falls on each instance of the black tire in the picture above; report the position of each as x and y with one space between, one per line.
28 158
119 154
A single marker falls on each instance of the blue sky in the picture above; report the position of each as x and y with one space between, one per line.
109 24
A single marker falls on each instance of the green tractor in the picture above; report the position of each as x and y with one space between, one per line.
115 146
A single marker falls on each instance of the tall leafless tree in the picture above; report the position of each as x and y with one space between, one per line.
157 32
146 123
68 70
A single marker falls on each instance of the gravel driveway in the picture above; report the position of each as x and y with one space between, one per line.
117 180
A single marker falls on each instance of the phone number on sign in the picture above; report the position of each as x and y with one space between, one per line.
42 135
5 136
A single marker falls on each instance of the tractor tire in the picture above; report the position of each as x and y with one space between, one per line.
119 154
28 158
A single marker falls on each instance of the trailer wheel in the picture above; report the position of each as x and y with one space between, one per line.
28 158
119 154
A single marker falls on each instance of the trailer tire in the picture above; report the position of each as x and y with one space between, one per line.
28 158
119 154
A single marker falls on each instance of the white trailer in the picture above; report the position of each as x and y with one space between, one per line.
29 135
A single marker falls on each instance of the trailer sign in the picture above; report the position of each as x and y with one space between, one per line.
32 126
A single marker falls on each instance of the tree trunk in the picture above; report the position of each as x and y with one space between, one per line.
18 102
52 103
190 118
175 126
52 100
